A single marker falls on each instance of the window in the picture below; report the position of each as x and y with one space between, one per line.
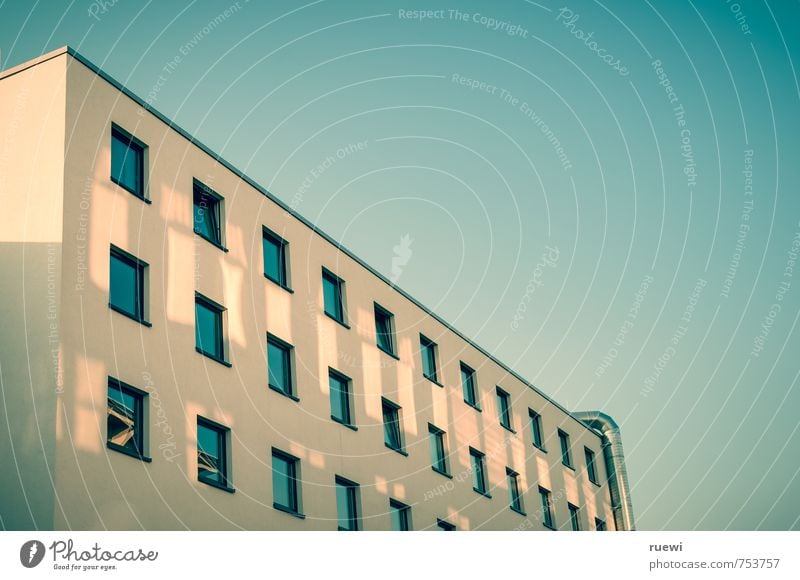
445 526
599 525
209 338
333 296
126 285
275 264
347 504
504 408
574 517
566 457
341 410
392 433
468 385
384 330
428 351
478 464
125 423
536 428
513 490
279 365
547 508
212 454
285 486
401 516
208 214
438 449
591 468
127 161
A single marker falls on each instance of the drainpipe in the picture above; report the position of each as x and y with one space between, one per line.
615 466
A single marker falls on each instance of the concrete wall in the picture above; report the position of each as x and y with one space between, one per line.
32 108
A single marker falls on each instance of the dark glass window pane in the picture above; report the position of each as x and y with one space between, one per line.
504 407
206 215
445 526
547 514
346 506
124 418
125 285
284 490
536 428
565 456
590 466
391 426
599 525
383 330
574 518
513 488
400 516
438 454
331 290
208 329
210 454
340 399
278 365
468 384
126 163
428 359
274 259
478 471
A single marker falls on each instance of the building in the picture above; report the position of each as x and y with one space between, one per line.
180 350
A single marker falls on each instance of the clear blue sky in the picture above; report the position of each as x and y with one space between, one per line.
652 146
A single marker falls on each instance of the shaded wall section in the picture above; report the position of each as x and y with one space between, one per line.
32 115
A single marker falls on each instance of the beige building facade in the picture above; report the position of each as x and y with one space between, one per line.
181 351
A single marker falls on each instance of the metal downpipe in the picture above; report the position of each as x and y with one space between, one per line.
615 466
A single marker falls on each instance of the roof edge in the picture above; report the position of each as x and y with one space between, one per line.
34 61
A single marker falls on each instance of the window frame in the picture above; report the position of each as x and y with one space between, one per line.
435 434
138 145
504 409
220 310
140 421
380 311
574 517
284 271
404 515
600 525
515 495
339 284
140 268
546 505
470 372
566 451
537 430
591 465
354 501
223 440
218 213
445 526
289 370
348 398
294 486
424 344
394 409
478 458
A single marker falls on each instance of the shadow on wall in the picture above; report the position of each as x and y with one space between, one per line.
29 387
